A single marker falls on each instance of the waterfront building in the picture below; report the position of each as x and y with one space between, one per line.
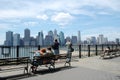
67 39
16 39
32 41
88 41
62 38
93 40
9 39
101 39
27 37
74 40
117 40
56 35
50 33
79 38
40 40
48 40
105 40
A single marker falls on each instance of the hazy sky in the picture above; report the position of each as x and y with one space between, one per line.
91 17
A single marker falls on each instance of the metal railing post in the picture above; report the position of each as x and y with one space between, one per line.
17 50
96 50
79 51
88 50
102 47
38 47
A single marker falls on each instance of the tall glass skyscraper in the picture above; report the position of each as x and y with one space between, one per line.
16 39
9 39
40 39
101 39
56 35
51 35
79 38
62 38
26 37
74 40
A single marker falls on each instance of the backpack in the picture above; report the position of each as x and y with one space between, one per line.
72 49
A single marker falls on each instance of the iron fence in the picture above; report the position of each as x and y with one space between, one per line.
79 50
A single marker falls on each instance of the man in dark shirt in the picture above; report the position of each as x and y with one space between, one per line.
56 47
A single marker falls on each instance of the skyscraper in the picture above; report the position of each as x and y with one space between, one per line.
16 39
48 40
93 40
9 39
74 40
79 38
40 39
51 35
56 35
105 40
26 37
67 39
117 40
101 39
62 38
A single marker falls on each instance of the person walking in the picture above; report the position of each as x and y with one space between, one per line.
69 51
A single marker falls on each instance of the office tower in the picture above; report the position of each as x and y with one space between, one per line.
48 40
50 33
101 39
16 39
88 40
9 39
21 41
26 37
74 40
105 40
67 39
117 40
62 38
79 38
40 40
93 40
56 35
33 41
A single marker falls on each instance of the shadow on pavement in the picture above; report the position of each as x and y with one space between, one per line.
46 71
39 72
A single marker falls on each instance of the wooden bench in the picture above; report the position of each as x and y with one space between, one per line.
110 54
45 60
14 63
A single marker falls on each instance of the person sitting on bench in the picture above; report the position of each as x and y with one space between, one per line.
106 51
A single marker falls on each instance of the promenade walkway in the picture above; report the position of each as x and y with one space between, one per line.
91 68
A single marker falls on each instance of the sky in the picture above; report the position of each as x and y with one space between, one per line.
91 17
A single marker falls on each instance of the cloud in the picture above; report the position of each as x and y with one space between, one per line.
43 17
34 8
62 18
4 26
7 14
30 23
104 13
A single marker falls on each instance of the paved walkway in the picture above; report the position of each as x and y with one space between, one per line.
91 68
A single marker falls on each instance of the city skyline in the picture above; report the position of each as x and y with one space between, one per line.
90 17
15 39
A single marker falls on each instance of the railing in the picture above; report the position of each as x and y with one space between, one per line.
79 50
